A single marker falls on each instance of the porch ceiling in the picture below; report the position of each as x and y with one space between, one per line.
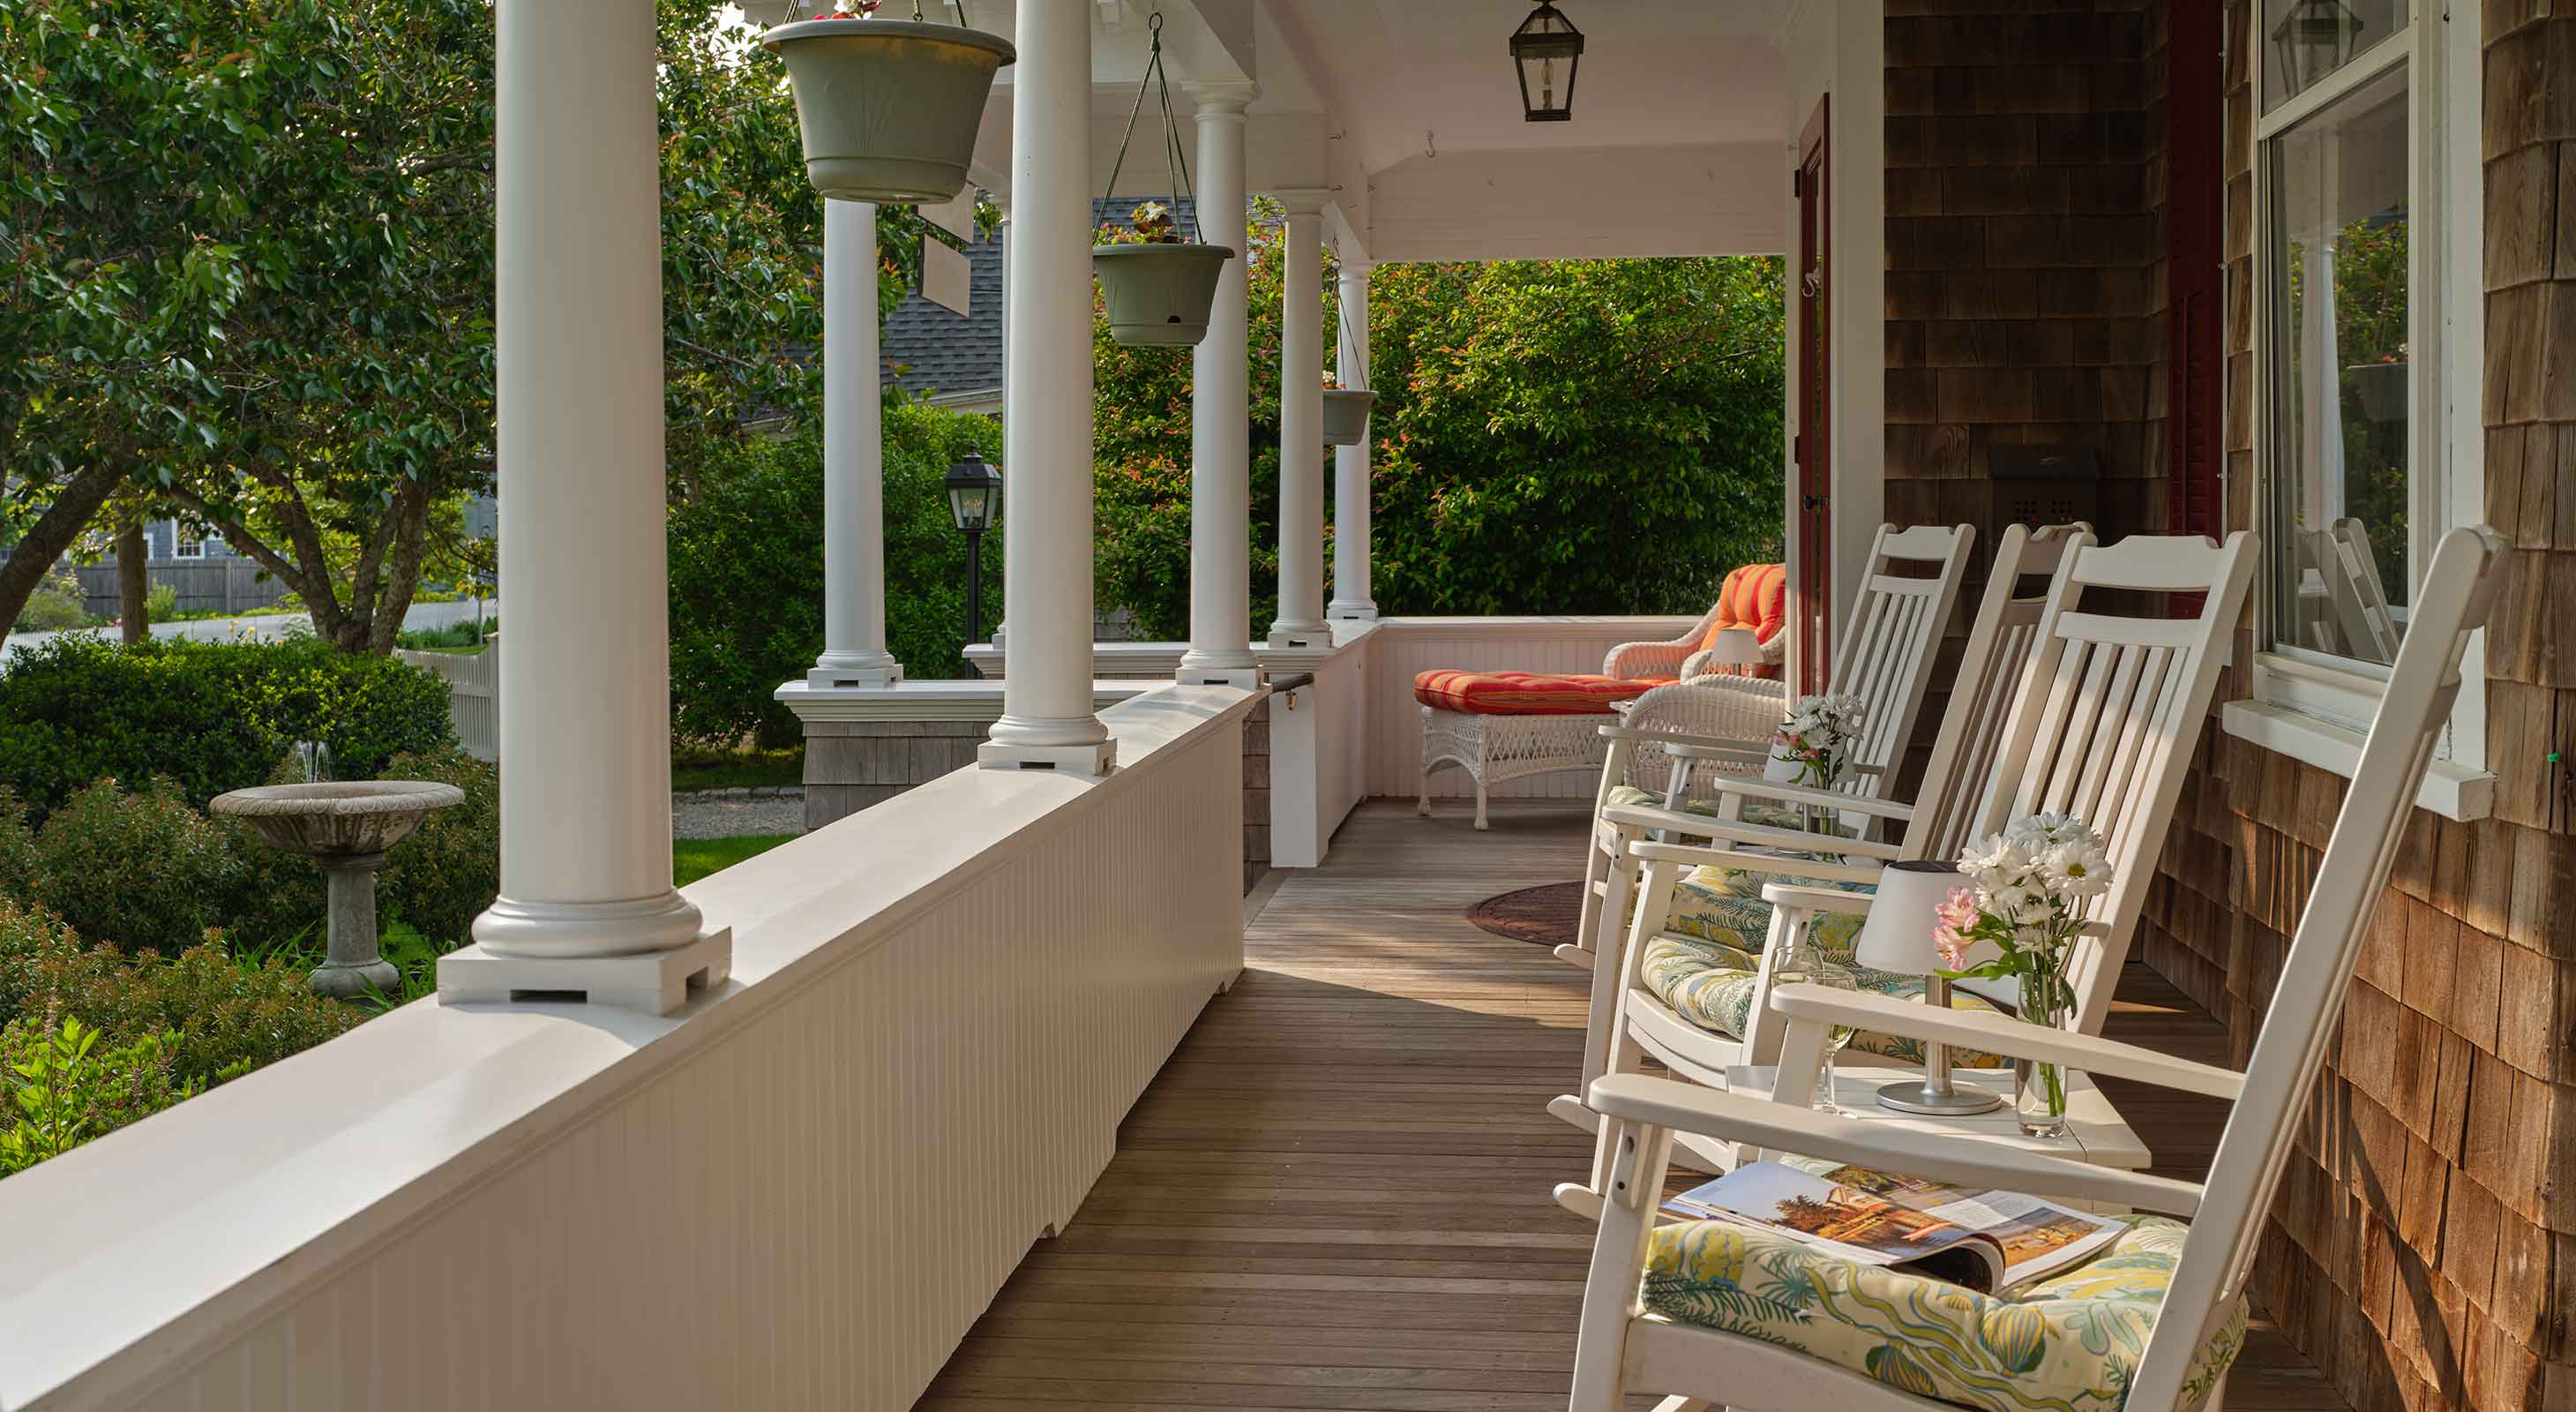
1407 113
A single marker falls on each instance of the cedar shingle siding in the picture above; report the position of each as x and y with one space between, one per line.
2424 1241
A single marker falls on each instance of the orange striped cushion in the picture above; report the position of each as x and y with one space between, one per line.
1525 693
1753 596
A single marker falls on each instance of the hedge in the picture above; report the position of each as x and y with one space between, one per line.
209 716
747 568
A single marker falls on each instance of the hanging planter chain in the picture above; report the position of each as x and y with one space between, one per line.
1176 162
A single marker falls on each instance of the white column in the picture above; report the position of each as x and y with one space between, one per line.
1351 597
586 902
1220 414
1301 426
1047 720
854 641
1002 237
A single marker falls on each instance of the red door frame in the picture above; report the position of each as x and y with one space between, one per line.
2195 251
1811 291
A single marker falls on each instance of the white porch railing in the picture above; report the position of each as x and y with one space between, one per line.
797 1193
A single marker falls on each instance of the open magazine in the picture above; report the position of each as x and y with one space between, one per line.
1985 1240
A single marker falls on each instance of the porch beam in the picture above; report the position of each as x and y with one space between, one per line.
854 640
1301 424
586 902
1351 547
1047 718
1220 412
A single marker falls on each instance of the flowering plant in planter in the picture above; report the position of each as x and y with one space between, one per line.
1149 224
2028 889
1818 737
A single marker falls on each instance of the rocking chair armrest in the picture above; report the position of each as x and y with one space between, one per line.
2001 1034
1819 899
1773 790
1865 871
1701 747
1792 1127
1735 831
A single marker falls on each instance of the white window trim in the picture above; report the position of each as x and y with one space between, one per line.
2303 706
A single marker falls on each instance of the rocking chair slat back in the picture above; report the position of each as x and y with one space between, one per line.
1988 682
2108 737
2459 589
1886 657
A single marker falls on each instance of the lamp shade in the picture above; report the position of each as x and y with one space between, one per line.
1898 935
1736 646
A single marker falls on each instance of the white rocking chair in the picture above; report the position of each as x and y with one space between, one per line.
2103 717
1725 723
1655 1300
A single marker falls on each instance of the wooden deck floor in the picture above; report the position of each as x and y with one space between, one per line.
1336 1194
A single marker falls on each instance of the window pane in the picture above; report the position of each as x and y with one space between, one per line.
2336 340
2302 41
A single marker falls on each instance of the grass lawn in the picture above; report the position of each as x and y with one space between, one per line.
736 769
694 858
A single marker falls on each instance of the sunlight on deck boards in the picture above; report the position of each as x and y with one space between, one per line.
1336 1193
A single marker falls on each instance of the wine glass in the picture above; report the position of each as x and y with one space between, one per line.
1802 962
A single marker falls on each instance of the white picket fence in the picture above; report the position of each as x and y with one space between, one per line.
473 696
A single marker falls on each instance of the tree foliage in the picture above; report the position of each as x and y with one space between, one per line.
246 272
1550 437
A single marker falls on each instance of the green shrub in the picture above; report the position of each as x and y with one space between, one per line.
56 604
78 708
62 1089
442 877
134 869
17 846
211 716
747 569
231 1015
161 604
367 709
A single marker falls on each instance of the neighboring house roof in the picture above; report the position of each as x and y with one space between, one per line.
931 351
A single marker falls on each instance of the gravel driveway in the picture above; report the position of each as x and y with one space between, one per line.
735 813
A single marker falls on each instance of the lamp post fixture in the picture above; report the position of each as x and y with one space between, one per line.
1544 40
974 503
2316 38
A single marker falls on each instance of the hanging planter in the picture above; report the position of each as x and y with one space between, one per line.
1346 415
888 108
1156 286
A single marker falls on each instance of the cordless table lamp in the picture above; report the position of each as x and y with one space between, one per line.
1898 937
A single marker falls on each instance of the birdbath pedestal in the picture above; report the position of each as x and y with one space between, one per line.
346 826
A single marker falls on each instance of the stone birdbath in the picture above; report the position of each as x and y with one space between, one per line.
346 826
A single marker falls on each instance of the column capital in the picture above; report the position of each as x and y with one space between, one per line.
1303 200
1217 101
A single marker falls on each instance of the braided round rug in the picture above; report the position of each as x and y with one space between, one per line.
1547 915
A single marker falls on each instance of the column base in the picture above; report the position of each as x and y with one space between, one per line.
650 983
1247 678
1362 611
1284 636
1093 760
869 674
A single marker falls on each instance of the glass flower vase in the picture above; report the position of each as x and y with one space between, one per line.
2039 1085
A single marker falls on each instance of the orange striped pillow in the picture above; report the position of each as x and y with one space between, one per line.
1753 596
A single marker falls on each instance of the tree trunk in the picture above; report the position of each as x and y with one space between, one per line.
74 505
134 583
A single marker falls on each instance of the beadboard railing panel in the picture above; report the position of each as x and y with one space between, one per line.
797 1193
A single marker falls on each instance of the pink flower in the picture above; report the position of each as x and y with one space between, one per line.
1952 946
1956 915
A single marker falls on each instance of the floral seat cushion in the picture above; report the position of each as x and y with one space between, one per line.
1776 816
2069 1343
1705 964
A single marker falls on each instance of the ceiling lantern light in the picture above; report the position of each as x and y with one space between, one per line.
1546 49
2316 38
